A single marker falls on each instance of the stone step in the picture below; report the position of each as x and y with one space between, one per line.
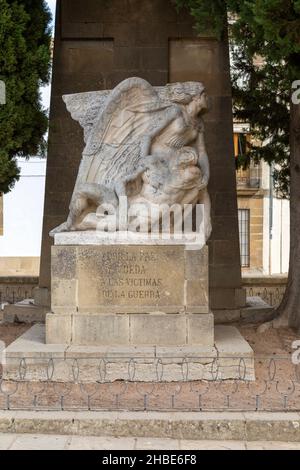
147 364
231 426
256 311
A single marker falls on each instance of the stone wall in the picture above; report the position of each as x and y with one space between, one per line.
270 288
98 44
19 266
16 289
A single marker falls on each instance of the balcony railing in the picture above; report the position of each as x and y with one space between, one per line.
249 178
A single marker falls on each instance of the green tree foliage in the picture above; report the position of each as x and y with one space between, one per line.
209 15
268 29
24 66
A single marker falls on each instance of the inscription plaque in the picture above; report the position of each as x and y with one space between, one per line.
120 279
128 278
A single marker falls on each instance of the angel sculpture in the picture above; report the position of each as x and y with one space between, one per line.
146 144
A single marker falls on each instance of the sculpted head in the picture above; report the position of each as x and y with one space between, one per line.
188 93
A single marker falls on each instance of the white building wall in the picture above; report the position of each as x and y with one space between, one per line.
266 237
280 242
23 211
285 235
275 248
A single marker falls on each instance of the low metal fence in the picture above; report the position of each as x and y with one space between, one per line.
81 383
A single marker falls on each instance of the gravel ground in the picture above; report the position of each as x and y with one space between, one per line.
9 332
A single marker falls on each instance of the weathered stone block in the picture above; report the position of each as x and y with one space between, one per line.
197 294
222 252
227 316
224 299
220 276
200 330
100 330
64 295
155 58
42 297
240 297
63 262
196 264
236 357
58 329
158 329
127 58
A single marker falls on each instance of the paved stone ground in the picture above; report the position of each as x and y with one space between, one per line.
52 442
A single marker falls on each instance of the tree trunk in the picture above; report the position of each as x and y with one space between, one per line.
288 313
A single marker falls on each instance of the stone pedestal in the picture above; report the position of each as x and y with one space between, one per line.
132 311
136 294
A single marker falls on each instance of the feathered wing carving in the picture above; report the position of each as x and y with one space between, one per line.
121 136
85 108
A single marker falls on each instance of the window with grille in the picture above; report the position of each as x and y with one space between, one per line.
244 231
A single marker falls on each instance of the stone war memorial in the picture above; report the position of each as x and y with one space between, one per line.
140 254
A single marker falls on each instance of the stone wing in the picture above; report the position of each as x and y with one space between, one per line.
122 134
85 108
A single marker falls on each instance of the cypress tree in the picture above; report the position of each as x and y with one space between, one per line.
24 66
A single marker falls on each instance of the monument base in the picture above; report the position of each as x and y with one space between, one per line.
110 294
29 358
136 312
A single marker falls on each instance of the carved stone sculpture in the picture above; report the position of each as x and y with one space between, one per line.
142 143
